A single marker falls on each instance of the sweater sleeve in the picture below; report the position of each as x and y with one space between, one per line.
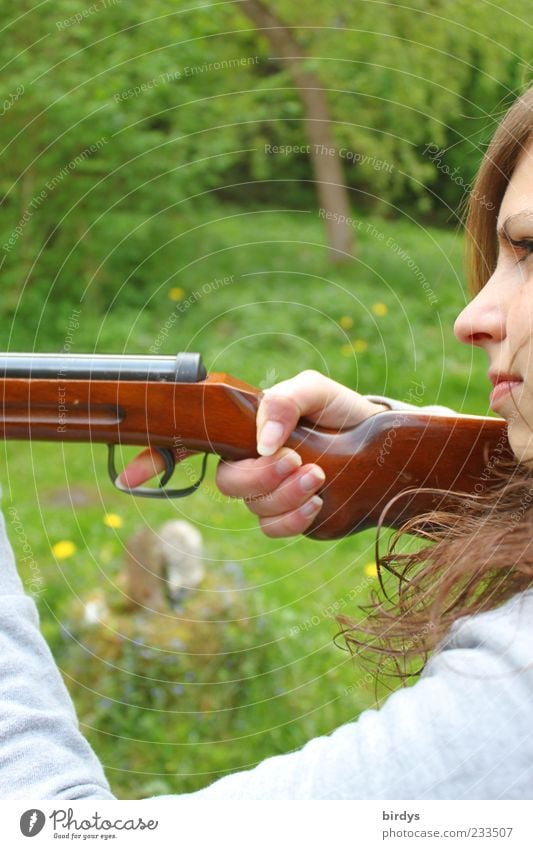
401 406
463 731
43 754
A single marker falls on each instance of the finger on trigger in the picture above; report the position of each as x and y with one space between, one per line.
144 466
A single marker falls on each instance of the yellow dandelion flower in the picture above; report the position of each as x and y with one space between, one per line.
347 350
176 293
360 346
112 520
371 570
346 322
63 549
380 309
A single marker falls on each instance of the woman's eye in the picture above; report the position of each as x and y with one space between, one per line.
522 246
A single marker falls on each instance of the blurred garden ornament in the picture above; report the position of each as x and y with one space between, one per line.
164 565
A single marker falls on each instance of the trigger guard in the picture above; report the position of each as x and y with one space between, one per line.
170 464
160 492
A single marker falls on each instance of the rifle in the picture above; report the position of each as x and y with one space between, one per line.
173 405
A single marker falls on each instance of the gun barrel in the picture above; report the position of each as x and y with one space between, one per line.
183 368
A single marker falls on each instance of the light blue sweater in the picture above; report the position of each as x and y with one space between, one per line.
463 731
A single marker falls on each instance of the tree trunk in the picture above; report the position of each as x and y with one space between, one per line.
327 168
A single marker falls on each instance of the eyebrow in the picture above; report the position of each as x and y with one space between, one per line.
502 231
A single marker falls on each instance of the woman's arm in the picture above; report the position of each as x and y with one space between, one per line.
463 731
43 754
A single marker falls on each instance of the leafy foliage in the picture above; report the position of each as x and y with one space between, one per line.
119 120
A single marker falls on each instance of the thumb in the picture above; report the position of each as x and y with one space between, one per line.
313 395
277 417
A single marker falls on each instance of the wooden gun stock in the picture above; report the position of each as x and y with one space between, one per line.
171 403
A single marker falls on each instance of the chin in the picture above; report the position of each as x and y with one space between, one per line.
521 442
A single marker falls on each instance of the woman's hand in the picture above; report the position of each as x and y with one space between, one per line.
276 487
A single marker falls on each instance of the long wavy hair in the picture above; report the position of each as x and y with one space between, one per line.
476 557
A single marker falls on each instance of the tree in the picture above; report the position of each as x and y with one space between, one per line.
327 167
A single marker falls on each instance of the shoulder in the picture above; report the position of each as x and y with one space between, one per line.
500 637
463 731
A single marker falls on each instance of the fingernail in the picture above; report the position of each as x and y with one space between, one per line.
312 479
123 480
311 507
269 438
288 463
120 483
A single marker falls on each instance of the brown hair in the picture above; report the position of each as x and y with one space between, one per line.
482 554
499 162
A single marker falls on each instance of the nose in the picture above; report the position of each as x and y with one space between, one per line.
483 320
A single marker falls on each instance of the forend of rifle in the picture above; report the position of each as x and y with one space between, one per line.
185 367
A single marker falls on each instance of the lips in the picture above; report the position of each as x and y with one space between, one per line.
503 385
496 377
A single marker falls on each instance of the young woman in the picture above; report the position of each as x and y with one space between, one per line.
463 731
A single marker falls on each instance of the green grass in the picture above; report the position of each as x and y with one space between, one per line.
247 668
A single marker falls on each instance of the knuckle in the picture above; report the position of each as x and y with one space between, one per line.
253 505
275 403
286 525
270 528
296 523
259 504
223 479
310 374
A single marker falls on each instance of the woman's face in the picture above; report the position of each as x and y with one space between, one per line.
500 317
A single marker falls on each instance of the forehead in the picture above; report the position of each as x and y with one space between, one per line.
519 193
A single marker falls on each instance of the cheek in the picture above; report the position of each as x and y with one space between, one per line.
520 324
